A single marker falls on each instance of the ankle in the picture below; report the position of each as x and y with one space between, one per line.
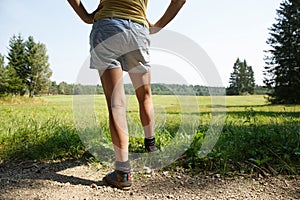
123 166
150 144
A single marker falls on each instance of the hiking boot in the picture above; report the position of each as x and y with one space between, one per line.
150 145
119 179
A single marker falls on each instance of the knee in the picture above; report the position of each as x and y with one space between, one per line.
117 105
146 99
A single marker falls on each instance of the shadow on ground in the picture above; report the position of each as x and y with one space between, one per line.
23 170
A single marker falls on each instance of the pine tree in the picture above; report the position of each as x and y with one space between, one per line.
2 76
234 80
241 79
282 72
17 60
28 66
9 80
14 83
38 66
250 81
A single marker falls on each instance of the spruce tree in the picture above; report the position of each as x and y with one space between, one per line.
234 80
14 82
250 81
282 71
17 60
241 79
38 66
3 85
28 67
10 83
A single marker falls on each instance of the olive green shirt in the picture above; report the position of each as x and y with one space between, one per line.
134 10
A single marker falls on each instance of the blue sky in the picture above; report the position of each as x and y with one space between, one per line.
225 29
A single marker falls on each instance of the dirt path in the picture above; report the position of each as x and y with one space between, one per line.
76 180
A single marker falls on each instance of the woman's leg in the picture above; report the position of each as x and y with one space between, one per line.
112 83
142 86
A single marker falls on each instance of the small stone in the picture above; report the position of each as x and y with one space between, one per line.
147 170
94 186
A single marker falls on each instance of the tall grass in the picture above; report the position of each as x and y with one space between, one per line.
255 137
261 138
38 129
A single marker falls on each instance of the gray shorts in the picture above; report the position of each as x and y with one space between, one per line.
119 43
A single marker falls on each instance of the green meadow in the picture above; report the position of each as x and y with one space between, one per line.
255 136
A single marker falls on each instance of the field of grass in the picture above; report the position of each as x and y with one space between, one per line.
255 136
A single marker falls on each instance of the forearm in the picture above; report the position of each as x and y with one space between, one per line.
170 13
81 11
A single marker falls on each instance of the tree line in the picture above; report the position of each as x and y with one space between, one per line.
64 88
